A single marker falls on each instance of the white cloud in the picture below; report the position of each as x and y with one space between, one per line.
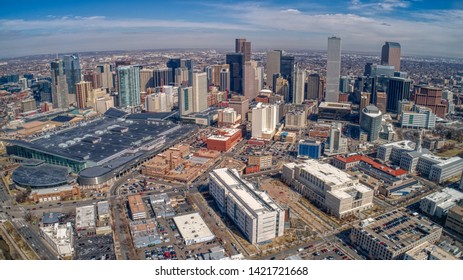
378 7
291 11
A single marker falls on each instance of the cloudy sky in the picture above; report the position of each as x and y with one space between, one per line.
422 27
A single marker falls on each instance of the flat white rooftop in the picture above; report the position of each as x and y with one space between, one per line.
193 227
325 172
404 144
245 193
85 216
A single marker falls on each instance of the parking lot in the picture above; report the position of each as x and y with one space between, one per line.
98 247
325 252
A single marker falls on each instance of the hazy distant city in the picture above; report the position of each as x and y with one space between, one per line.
230 147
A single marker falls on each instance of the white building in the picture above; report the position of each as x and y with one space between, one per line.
158 102
428 251
264 120
86 220
438 203
193 229
420 117
333 69
60 238
199 92
254 212
393 151
333 190
338 144
439 169
299 84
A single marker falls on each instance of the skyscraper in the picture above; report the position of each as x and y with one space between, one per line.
250 80
315 85
287 72
128 81
398 89
83 90
185 100
188 64
106 75
273 65
162 77
225 79
333 69
244 47
146 79
236 62
199 92
173 64
298 85
390 55
370 121
59 85
72 71
264 120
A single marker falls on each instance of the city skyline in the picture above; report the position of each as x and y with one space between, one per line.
363 26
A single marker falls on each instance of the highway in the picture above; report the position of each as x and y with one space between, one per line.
34 240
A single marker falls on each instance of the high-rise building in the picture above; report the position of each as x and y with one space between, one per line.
181 76
250 79
390 55
173 64
344 84
273 65
338 144
225 79
188 64
309 149
236 62
381 101
106 75
158 102
72 71
431 97
315 85
162 77
281 86
185 100
244 47
264 120
146 79
94 78
128 82
199 92
213 73
240 104
287 67
333 69
227 117
83 90
370 121
59 87
398 89
298 85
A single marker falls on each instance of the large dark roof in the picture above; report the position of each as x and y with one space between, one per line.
62 119
114 113
41 176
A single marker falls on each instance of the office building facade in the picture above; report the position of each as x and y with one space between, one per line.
128 82
390 55
333 69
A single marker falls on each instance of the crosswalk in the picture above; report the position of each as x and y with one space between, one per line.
19 222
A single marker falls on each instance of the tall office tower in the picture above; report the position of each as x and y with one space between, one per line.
236 62
298 85
344 84
390 55
273 65
287 72
315 84
94 78
398 89
185 100
72 71
250 80
213 72
188 64
181 76
244 47
59 85
83 90
281 86
338 144
365 100
333 69
106 75
173 64
146 79
370 121
260 78
381 101
225 80
199 92
158 102
128 82
431 97
264 120
162 77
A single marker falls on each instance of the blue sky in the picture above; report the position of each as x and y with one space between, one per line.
423 27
